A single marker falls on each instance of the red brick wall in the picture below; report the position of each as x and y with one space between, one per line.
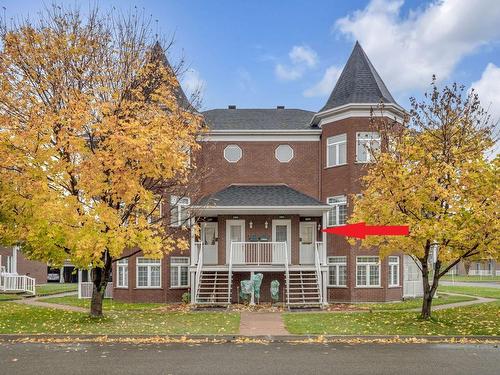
31 268
258 165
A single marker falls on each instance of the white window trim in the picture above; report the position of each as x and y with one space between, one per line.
137 265
233 146
276 153
336 144
391 265
120 265
337 275
175 201
367 267
368 154
179 266
337 210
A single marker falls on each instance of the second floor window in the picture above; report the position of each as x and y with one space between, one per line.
338 213
336 150
179 214
367 143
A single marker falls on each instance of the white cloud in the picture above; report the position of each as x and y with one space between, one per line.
488 89
192 82
303 54
327 83
301 58
407 49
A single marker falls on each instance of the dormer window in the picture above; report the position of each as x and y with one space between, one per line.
233 153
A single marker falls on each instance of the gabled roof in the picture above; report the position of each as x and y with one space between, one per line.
259 196
359 82
258 119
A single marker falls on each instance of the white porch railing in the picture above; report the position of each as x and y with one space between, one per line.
85 290
258 253
199 247
17 283
317 263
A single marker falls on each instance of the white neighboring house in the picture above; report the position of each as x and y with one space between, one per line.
85 285
412 282
10 280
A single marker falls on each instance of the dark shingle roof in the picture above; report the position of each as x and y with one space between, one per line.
258 196
359 82
258 119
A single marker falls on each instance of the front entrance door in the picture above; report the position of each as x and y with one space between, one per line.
282 233
307 242
209 241
235 232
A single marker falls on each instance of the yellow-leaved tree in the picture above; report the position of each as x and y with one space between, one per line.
94 130
435 175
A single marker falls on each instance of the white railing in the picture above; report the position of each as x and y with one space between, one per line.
199 266
317 263
85 290
17 283
258 253
287 278
480 273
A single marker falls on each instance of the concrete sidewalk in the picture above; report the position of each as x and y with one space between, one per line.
262 324
38 302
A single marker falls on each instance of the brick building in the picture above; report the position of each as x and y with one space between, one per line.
278 177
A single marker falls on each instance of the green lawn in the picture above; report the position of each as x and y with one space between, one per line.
470 320
55 288
108 304
414 303
16 318
472 290
471 278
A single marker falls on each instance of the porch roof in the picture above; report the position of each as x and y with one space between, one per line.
260 199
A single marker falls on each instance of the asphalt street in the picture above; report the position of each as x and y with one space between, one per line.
276 358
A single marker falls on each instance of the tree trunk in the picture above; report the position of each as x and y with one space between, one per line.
100 278
429 290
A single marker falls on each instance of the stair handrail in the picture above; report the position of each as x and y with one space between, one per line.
317 263
199 267
230 273
287 275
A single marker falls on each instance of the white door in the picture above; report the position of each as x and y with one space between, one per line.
282 233
307 242
209 241
235 232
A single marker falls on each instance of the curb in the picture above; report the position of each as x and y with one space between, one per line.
262 339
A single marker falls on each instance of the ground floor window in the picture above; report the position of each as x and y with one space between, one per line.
148 273
179 272
337 271
393 271
122 273
368 271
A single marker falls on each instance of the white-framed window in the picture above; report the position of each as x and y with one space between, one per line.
148 273
179 214
157 213
233 153
284 153
393 271
367 143
338 213
122 273
367 271
336 150
337 271
179 272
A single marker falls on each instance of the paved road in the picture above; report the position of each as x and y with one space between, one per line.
120 359
485 284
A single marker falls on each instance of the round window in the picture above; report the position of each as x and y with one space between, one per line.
232 153
284 153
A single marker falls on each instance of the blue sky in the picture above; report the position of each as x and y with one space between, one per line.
268 53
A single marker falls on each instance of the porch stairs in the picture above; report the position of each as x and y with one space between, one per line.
213 289
303 289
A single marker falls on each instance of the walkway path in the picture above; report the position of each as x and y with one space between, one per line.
262 324
485 284
477 301
38 301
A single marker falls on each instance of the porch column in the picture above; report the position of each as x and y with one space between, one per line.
61 275
193 252
252 296
192 275
324 239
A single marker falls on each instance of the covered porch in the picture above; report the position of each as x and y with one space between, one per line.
244 235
